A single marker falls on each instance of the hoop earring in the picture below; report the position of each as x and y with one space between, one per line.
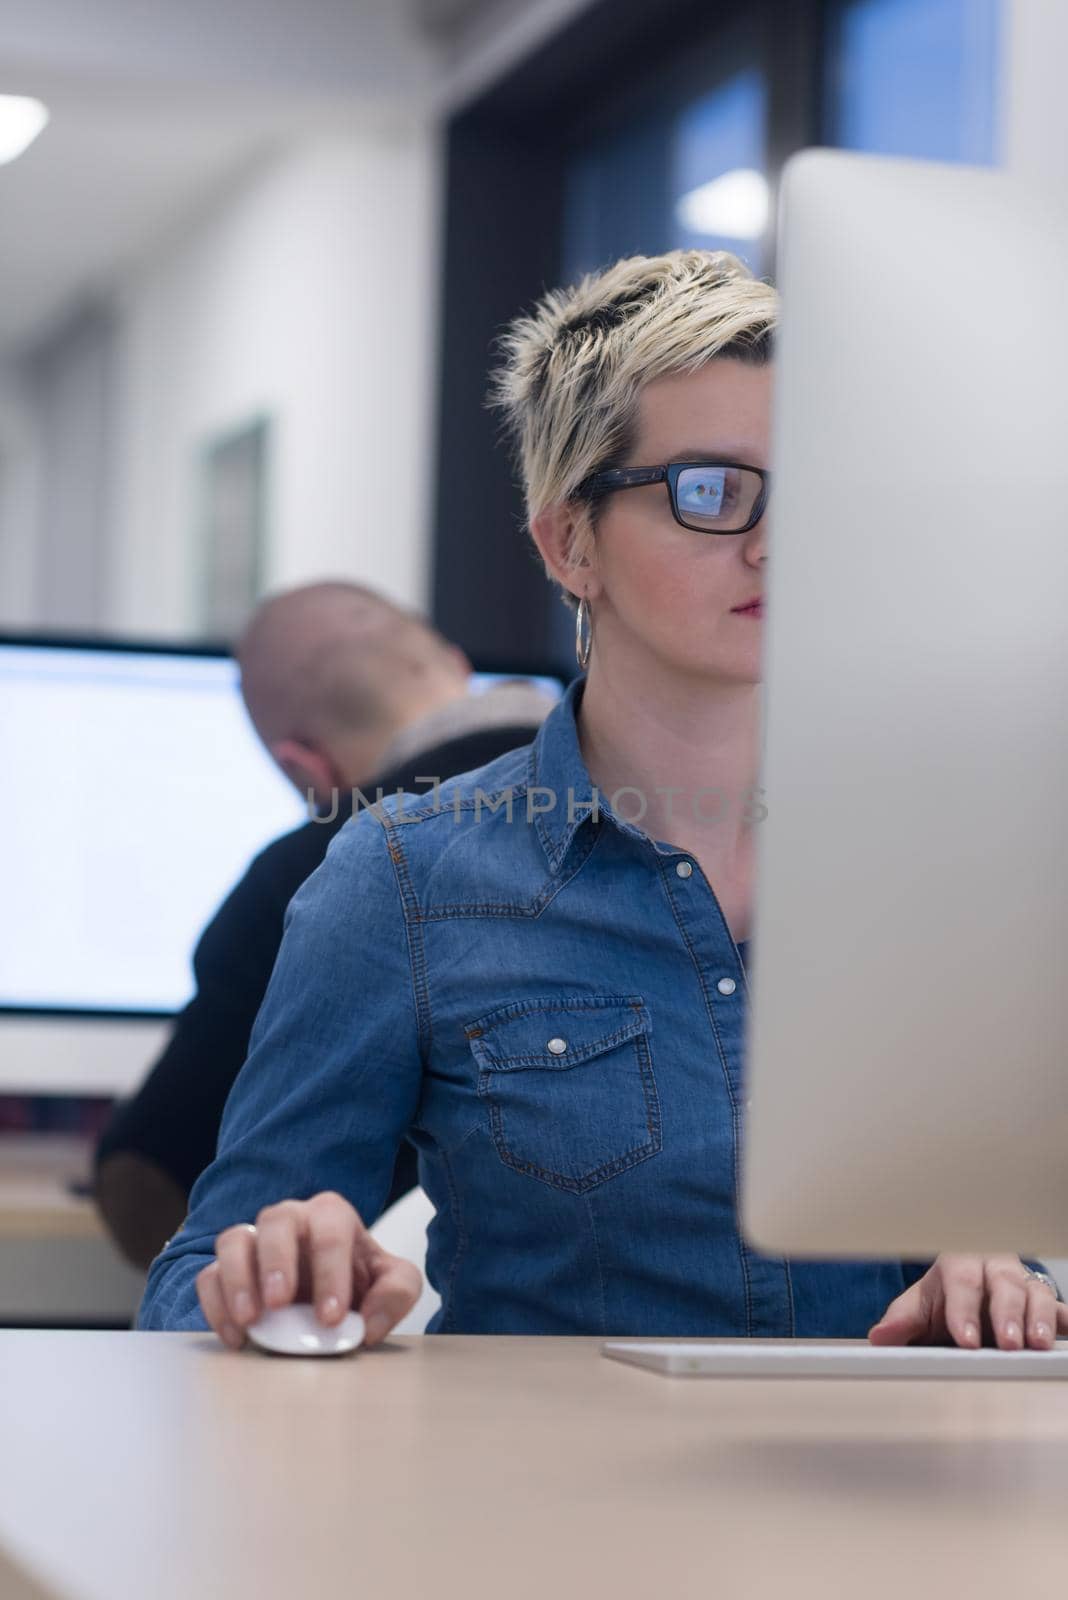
582 645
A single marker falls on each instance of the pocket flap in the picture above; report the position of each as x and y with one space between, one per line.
560 1032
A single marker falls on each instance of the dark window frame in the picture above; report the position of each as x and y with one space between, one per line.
506 157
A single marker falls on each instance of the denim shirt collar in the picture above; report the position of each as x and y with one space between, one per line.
555 764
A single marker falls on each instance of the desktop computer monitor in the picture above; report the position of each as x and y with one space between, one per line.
136 794
907 1051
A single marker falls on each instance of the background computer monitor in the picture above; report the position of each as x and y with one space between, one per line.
907 1055
136 794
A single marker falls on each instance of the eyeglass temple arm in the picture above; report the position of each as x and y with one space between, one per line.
625 477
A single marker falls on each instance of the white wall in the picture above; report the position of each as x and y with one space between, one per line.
70 382
309 294
281 298
369 47
18 503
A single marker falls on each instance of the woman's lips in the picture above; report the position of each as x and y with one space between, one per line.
748 611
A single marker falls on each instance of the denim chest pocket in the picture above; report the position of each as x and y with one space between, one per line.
569 1087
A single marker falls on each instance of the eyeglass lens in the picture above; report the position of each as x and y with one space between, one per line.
717 499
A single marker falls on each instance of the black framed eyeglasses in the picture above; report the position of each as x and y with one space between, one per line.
706 496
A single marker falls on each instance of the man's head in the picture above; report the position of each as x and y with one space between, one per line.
332 671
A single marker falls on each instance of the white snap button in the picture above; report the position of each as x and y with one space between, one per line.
726 986
748 1103
684 869
556 1047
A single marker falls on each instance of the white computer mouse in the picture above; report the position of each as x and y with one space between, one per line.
296 1331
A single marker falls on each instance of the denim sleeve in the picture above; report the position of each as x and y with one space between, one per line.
333 1075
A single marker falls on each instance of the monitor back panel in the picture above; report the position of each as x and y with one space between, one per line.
908 1041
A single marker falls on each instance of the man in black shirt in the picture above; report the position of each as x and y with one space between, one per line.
339 683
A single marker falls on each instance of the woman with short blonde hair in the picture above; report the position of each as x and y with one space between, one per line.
545 987
574 368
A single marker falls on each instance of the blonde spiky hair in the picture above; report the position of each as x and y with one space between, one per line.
573 368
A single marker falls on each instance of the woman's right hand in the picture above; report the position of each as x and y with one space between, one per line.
315 1251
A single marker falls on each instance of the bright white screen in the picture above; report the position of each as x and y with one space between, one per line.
135 795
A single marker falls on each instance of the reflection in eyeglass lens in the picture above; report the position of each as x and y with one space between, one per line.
717 495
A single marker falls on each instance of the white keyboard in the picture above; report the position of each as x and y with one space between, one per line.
760 1358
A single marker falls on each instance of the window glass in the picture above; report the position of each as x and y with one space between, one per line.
719 191
688 172
915 78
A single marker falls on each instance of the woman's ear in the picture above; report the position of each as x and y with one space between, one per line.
558 531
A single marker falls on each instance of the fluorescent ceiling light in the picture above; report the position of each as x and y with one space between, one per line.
734 206
21 120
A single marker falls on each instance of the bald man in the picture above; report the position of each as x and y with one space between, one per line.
346 690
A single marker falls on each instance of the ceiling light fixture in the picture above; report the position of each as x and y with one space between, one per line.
734 206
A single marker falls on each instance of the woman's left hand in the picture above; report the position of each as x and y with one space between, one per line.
972 1300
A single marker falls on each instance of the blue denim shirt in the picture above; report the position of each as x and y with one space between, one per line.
556 1016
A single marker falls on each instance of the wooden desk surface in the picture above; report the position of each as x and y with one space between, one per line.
163 1465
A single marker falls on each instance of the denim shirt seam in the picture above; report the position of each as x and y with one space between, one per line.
456 1215
735 1119
417 961
600 1264
452 911
790 1297
457 802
